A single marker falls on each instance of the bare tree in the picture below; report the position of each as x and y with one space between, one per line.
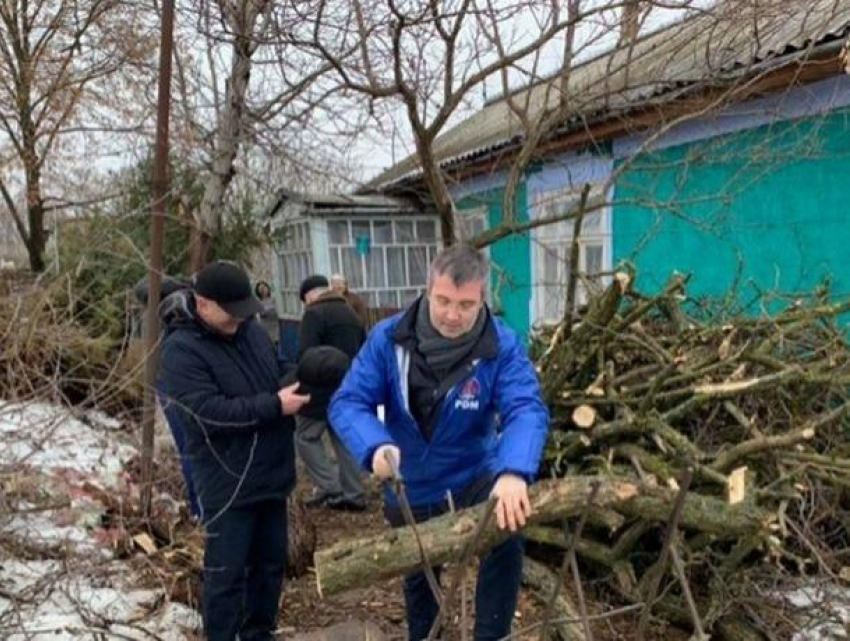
57 58
429 58
250 91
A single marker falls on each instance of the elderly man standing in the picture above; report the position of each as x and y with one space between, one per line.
220 371
463 416
340 284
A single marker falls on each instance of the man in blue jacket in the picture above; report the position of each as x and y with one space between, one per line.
219 369
463 416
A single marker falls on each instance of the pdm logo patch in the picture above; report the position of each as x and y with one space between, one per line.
467 398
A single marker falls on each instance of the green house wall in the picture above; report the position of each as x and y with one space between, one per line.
764 210
510 257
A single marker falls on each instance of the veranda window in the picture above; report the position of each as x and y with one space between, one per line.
385 260
553 243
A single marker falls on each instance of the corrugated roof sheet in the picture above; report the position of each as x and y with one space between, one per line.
723 43
341 204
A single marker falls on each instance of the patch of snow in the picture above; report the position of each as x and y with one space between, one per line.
51 601
63 466
42 530
48 438
827 605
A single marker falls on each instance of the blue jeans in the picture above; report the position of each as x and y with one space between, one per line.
499 575
244 560
178 432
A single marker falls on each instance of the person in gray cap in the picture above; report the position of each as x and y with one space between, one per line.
219 370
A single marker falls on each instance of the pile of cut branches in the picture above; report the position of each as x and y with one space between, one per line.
750 414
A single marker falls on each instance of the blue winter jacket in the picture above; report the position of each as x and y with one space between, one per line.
492 421
225 388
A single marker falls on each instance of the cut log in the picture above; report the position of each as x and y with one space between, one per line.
736 489
584 416
367 561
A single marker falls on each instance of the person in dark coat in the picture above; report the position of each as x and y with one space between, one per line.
219 368
340 284
328 321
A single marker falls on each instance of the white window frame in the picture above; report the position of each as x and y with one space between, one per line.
378 295
557 239
295 263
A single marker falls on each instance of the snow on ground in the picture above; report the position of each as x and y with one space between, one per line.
51 602
49 460
48 438
829 608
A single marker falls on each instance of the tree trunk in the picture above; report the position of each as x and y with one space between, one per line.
37 239
365 561
302 539
228 138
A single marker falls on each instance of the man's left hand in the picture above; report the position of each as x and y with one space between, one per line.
512 506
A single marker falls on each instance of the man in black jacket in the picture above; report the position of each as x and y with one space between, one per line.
219 368
328 321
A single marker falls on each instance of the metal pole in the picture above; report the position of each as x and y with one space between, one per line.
160 198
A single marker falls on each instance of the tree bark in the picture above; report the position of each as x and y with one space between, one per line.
366 561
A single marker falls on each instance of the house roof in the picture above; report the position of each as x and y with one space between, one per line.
727 42
328 205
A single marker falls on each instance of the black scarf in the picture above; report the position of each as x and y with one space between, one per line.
443 354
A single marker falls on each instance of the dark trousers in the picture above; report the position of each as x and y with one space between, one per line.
499 575
244 560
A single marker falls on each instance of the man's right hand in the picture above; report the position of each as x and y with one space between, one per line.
290 401
381 466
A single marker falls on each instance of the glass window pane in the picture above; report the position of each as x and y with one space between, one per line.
426 230
335 268
375 276
396 274
417 264
388 298
291 303
382 232
351 267
593 259
290 271
403 231
433 250
338 232
407 296
470 225
368 298
360 229
553 309
592 223
307 236
550 266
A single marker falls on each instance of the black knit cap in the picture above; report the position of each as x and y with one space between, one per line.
323 366
311 282
228 285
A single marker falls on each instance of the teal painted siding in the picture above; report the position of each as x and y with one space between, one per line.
767 209
511 259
